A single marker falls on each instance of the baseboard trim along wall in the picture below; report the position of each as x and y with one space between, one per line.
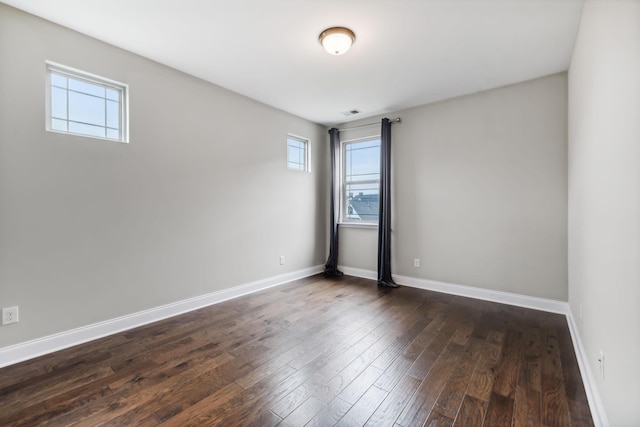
38 347
595 403
542 304
536 303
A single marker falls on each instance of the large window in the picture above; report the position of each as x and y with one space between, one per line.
84 104
297 153
361 180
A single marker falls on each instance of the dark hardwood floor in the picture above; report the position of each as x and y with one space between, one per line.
314 352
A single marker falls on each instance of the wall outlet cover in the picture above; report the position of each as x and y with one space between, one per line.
10 315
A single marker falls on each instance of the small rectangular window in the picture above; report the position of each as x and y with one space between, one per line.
361 180
297 153
84 104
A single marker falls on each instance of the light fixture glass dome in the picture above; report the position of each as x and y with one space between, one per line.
337 40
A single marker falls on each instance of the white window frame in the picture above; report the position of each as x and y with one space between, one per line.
344 221
307 152
122 88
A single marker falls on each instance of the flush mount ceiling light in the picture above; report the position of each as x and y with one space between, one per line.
337 40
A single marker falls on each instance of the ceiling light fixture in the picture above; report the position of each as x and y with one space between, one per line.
337 40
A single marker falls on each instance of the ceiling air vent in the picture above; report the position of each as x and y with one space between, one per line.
351 112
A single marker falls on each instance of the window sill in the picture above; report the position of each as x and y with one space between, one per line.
358 225
81 135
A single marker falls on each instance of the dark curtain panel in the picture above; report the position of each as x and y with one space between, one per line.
331 267
384 220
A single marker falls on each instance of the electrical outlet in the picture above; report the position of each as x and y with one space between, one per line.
10 315
416 262
281 259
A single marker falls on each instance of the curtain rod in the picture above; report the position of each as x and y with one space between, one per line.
396 120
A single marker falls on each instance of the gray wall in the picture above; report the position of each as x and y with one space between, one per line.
479 191
199 201
604 200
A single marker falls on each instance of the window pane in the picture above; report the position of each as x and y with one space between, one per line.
59 125
86 104
113 115
85 129
86 87
296 166
113 94
363 202
113 134
362 161
58 103
86 109
295 144
361 181
58 80
296 154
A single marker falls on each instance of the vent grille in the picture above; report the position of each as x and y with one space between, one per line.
351 112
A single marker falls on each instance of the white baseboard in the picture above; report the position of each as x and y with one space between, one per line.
595 403
525 301
543 304
358 272
49 344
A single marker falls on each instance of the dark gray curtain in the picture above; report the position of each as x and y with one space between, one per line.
384 219
331 267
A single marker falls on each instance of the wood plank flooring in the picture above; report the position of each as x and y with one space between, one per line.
315 352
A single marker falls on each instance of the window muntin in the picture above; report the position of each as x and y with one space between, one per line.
360 180
297 153
84 104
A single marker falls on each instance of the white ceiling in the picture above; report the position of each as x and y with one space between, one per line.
407 52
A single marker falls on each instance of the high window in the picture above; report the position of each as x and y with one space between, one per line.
361 180
297 153
84 104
